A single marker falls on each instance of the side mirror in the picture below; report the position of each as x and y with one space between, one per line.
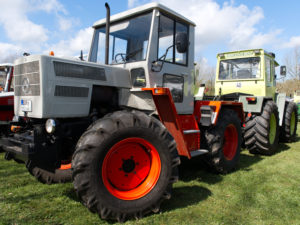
283 70
181 42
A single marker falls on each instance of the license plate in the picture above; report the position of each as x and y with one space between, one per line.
26 105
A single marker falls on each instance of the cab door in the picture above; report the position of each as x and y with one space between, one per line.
270 77
176 72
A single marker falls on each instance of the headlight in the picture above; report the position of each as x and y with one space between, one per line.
50 126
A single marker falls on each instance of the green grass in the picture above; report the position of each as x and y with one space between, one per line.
264 190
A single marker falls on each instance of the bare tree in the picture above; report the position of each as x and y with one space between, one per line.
292 84
205 74
292 61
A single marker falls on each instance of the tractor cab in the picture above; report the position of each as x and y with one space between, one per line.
249 72
6 96
6 84
156 45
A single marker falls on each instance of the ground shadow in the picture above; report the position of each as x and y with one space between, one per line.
7 173
181 198
71 194
246 161
185 196
282 147
197 169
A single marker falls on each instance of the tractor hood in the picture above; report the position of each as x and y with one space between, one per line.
47 86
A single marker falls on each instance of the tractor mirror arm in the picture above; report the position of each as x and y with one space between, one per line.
156 67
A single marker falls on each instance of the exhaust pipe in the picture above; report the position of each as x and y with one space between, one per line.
107 32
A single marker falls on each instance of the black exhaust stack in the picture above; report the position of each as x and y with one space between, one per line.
107 32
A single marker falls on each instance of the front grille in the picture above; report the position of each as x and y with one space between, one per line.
63 69
27 79
68 91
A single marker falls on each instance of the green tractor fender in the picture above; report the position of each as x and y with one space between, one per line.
256 105
280 102
253 104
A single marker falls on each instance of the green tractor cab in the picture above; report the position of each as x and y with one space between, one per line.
249 77
250 72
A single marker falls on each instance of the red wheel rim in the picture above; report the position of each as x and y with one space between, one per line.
131 168
230 142
65 165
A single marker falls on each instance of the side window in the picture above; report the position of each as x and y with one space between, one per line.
268 69
167 31
175 84
166 37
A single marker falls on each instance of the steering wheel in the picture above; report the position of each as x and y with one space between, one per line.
126 57
122 55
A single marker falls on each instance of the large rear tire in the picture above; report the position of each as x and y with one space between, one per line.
124 166
224 142
262 132
290 120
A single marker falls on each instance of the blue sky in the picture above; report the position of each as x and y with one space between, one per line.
38 26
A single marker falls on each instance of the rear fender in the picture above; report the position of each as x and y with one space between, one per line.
216 107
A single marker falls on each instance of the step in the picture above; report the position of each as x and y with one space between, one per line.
198 152
191 131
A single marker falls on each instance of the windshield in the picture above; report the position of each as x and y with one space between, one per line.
244 68
128 41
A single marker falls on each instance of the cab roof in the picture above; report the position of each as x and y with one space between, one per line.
142 9
260 51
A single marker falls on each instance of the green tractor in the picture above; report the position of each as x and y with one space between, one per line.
249 77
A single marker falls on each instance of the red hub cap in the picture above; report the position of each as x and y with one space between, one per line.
230 142
131 168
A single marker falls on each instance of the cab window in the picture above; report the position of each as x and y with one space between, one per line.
166 32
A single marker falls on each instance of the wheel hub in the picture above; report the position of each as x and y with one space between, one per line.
273 128
128 165
230 142
131 168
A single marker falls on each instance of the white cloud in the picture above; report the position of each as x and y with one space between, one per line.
8 52
132 3
64 23
233 25
48 6
22 31
73 46
294 42
18 27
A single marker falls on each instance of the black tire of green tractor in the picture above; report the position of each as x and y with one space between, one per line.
290 120
217 159
50 177
258 130
95 146
249 135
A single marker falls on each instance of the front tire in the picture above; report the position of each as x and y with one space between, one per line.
45 176
124 166
262 132
290 120
224 142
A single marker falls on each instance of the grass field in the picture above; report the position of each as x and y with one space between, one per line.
264 190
